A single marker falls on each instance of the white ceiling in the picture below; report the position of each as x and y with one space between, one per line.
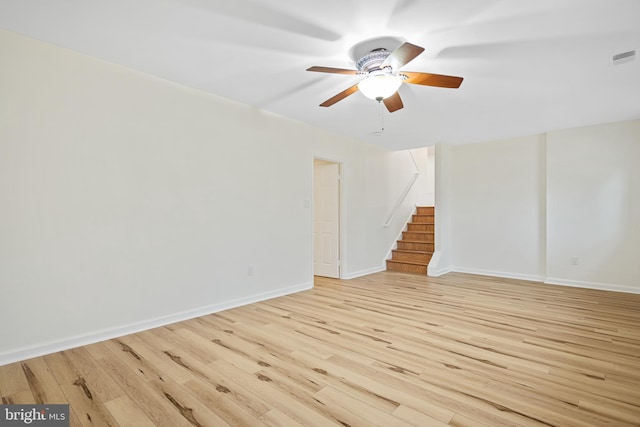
529 66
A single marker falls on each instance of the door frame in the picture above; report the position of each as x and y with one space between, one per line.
342 258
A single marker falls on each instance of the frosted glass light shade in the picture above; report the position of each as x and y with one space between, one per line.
379 87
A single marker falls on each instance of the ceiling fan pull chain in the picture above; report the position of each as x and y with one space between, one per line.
381 117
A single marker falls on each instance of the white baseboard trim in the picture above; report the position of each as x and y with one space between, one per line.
119 331
434 272
591 285
504 274
434 269
361 273
547 280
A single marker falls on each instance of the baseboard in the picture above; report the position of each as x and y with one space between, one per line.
504 274
591 285
434 269
106 334
549 280
435 272
361 273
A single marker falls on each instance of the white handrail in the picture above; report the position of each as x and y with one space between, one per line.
413 159
413 180
401 199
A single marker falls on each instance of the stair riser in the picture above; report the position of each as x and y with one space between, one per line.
420 227
412 246
424 237
406 268
423 218
404 256
426 210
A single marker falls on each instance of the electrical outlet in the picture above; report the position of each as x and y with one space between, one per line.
573 260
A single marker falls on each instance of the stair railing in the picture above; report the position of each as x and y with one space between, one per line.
404 194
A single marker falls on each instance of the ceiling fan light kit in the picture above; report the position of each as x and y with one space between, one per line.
380 86
383 79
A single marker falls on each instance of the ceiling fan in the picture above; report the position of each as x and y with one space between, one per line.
383 78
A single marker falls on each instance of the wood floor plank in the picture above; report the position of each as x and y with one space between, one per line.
330 396
214 397
260 385
43 384
225 388
98 383
416 418
89 411
384 349
276 418
127 414
156 407
13 380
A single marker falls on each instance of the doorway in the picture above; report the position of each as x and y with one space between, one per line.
326 218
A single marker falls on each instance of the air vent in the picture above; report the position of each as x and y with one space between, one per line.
623 57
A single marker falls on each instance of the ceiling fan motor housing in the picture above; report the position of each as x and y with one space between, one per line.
373 60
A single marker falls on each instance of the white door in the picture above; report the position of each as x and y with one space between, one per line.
326 219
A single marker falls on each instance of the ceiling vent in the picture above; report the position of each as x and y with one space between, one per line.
623 57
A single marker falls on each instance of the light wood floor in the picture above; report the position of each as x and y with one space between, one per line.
390 349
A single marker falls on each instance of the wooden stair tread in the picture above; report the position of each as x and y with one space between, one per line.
412 251
418 231
407 262
413 241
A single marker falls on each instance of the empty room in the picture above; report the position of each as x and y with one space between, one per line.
337 213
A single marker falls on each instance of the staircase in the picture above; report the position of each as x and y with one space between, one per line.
417 244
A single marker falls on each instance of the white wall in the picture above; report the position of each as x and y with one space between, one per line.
441 262
498 207
428 195
524 207
128 201
593 207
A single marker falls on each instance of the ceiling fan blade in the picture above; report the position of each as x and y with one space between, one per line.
402 56
332 70
393 102
427 79
339 97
